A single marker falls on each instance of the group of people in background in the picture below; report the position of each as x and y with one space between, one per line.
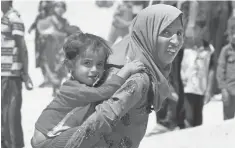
51 29
101 103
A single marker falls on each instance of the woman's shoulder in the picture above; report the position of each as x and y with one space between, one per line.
141 80
141 77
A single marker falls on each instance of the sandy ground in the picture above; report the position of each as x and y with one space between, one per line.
94 20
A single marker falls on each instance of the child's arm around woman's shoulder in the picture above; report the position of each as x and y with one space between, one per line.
84 93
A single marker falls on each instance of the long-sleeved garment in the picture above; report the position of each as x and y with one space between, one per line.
73 103
226 68
120 121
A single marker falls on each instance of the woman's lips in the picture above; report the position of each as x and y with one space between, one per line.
171 51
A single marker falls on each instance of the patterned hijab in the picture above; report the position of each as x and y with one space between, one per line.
141 44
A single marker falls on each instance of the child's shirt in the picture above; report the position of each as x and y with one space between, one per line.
73 103
226 68
11 25
195 69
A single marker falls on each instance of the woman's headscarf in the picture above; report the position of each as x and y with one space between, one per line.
141 44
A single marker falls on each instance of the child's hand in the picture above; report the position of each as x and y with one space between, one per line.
134 67
27 81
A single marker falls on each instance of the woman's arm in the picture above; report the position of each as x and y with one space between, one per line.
109 112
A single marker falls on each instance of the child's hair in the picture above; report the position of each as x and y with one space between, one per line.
79 42
71 29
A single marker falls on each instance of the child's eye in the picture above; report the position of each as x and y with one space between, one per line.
87 63
100 65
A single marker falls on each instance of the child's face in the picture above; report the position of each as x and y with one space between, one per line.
89 66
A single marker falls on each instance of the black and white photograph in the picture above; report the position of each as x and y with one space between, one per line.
117 74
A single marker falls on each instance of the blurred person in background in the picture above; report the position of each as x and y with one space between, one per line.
54 28
14 71
226 72
104 3
121 20
44 10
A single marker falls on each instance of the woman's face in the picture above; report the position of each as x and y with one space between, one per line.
170 41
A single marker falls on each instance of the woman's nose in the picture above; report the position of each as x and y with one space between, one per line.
175 40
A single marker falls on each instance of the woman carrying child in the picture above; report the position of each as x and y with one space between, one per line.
155 38
86 59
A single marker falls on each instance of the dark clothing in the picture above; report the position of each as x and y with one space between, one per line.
229 106
11 101
171 113
193 109
39 40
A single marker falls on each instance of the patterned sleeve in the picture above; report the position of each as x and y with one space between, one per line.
17 24
109 112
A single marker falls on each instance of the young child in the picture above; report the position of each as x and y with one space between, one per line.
86 60
196 74
225 72
44 7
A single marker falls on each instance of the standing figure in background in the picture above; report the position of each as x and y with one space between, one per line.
226 72
121 20
54 27
196 73
14 70
44 9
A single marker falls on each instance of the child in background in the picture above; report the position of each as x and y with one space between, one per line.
86 59
226 72
54 29
121 20
196 73
44 8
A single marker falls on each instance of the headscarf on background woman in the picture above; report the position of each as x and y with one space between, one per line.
141 44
